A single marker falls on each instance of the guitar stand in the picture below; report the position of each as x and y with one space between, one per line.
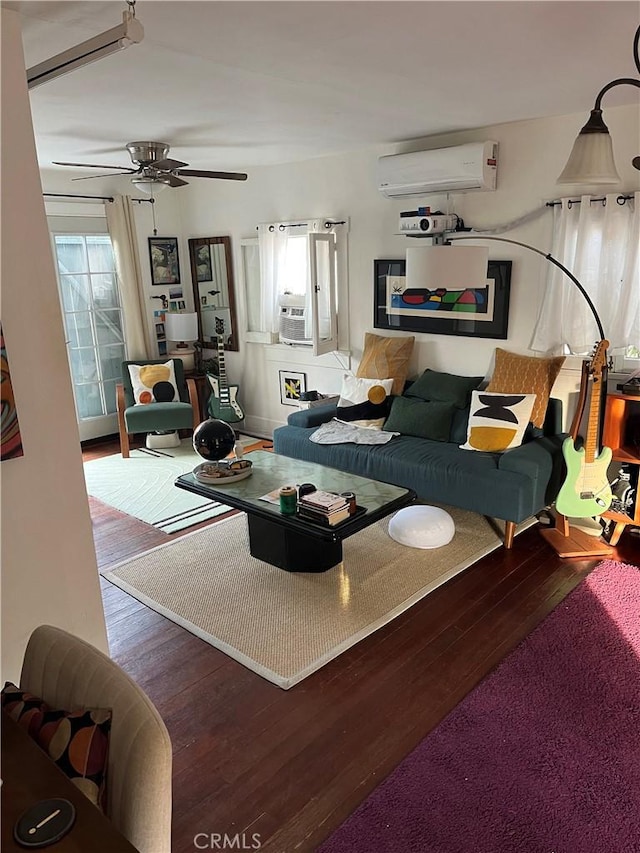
571 542
568 541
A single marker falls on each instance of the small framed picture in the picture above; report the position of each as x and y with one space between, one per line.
292 385
165 266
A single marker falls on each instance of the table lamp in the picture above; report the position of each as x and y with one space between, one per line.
182 329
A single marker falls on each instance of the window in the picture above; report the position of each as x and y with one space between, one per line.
290 276
92 320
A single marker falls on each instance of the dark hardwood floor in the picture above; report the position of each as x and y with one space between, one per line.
292 765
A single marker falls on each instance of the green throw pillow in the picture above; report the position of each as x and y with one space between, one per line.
444 388
420 418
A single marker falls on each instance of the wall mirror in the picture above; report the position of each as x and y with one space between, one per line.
213 290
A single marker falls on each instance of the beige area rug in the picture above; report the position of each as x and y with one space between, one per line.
283 625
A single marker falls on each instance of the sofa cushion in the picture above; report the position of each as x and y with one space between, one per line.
497 422
386 357
525 374
444 388
459 422
364 402
77 741
423 419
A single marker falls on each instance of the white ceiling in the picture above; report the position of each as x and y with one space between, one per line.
230 85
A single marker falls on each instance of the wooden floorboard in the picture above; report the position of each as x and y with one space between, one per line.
292 765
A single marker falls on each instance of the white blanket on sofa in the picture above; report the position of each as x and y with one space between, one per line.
342 432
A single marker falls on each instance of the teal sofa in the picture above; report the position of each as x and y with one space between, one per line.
512 486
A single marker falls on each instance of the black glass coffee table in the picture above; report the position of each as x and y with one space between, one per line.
290 542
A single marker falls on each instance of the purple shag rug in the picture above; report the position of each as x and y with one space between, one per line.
543 756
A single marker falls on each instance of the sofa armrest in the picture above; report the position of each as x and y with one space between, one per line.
313 417
541 461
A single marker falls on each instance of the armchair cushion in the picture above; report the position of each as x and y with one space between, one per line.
178 378
153 383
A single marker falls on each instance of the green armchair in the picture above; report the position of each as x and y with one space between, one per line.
155 417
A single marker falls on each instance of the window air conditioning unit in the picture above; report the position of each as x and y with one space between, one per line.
292 318
457 169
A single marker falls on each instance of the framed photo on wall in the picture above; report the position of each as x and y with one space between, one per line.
474 312
292 385
165 265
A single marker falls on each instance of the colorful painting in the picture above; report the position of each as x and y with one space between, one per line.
480 312
292 385
11 444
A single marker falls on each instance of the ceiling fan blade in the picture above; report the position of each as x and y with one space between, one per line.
174 181
229 176
94 166
91 177
167 165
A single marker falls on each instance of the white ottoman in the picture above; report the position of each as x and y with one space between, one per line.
422 527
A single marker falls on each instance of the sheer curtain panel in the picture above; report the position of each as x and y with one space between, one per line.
122 230
599 242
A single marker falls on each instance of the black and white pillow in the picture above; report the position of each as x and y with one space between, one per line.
364 402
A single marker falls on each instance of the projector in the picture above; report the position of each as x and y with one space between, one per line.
427 225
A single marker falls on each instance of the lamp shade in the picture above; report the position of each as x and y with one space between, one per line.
591 161
181 327
448 267
150 186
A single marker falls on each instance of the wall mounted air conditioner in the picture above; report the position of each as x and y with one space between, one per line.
457 169
292 320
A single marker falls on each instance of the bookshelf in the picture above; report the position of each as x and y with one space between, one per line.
622 435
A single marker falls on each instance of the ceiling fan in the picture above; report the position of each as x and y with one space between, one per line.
153 168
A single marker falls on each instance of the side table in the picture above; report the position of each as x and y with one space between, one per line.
622 434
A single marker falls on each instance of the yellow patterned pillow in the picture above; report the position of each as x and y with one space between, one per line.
386 358
153 383
525 374
497 422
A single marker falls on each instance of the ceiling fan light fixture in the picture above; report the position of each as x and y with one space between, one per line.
151 186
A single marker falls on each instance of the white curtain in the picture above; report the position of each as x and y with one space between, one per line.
599 242
122 230
272 241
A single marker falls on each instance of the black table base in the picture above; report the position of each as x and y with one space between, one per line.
289 550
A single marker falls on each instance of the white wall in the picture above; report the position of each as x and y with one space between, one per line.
532 154
49 572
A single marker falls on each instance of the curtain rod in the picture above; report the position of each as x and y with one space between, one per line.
96 197
621 199
329 223
73 195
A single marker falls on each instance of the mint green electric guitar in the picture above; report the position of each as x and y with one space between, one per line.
586 491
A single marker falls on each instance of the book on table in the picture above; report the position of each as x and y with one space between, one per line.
325 518
324 501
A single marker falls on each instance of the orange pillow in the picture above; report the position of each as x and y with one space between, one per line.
386 358
525 374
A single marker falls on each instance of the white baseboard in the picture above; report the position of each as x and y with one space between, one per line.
261 427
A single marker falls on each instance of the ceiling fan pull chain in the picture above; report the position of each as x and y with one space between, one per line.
153 213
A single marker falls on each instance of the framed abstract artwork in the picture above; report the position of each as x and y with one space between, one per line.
481 312
292 385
